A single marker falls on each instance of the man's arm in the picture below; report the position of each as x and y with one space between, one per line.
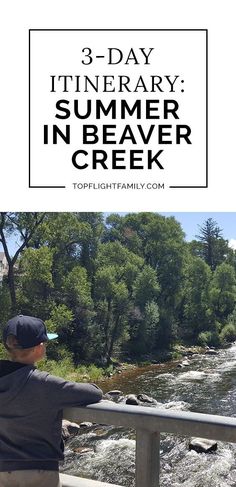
65 393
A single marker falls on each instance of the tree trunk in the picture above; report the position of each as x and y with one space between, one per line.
113 337
11 284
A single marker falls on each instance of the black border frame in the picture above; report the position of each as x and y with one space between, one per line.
122 30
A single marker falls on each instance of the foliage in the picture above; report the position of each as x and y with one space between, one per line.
222 292
5 304
127 286
146 287
209 338
196 304
3 353
66 369
35 282
212 247
228 333
61 317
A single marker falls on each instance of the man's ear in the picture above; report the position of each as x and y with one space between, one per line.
39 347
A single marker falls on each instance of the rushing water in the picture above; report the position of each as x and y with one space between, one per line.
208 385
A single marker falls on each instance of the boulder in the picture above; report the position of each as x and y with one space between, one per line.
211 351
132 399
202 445
69 429
145 398
116 392
114 396
185 363
86 424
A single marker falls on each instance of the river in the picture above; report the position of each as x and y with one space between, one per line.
208 385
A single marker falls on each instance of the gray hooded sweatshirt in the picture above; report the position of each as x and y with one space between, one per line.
31 404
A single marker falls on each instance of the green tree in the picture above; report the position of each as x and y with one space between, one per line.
23 226
91 241
116 270
146 287
211 245
112 306
75 238
144 329
144 316
34 293
222 292
125 230
151 324
160 241
76 296
196 298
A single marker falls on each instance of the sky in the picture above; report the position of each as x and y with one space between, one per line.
189 222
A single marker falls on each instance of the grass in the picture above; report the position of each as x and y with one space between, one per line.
66 370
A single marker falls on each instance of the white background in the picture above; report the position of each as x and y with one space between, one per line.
180 54
18 17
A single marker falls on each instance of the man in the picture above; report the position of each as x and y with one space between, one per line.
31 405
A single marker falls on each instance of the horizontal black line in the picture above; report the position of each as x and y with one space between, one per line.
47 187
119 30
191 187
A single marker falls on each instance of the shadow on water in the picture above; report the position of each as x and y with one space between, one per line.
207 385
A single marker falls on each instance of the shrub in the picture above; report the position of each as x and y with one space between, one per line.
209 338
3 353
61 368
228 333
94 372
66 369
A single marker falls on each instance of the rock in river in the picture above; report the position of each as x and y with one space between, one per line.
202 445
115 392
145 398
132 399
185 363
69 429
211 352
86 424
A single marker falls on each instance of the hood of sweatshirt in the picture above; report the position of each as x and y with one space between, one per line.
13 376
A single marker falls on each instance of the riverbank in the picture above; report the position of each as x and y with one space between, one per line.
92 373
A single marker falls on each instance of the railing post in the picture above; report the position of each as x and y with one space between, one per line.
147 458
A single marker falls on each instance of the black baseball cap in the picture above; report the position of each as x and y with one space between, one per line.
28 330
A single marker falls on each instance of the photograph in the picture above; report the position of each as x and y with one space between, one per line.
112 324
